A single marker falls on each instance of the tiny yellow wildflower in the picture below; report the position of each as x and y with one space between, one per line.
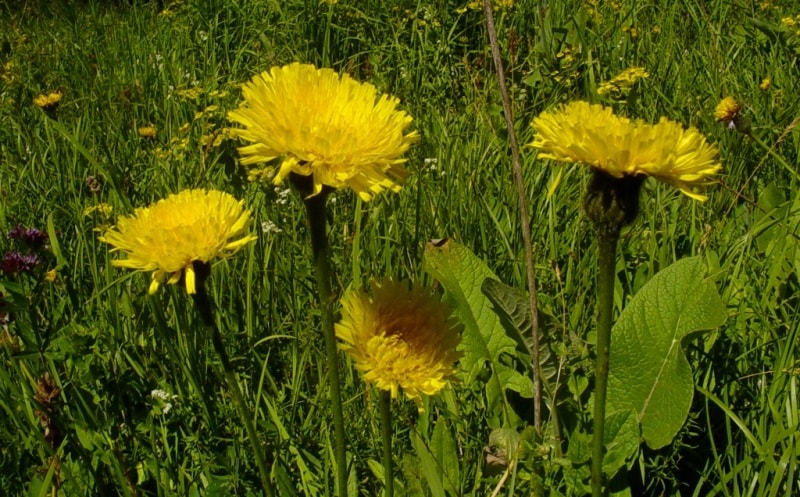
49 101
148 132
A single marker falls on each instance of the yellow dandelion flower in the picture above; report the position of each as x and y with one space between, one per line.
148 132
331 128
727 110
593 135
51 276
400 338
168 236
49 101
765 84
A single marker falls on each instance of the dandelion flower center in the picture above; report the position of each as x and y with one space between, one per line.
400 338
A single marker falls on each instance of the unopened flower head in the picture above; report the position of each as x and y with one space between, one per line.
400 338
170 235
593 135
329 127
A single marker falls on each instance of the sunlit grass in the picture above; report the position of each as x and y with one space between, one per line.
107 345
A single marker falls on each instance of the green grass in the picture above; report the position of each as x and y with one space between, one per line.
107 345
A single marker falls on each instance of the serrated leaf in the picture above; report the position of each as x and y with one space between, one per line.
484 340
513 308
648 371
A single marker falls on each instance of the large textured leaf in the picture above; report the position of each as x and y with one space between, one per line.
648 371
484 341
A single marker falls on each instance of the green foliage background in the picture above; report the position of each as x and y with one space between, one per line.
107 346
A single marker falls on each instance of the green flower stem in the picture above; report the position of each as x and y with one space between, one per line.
203 304
315 208
607 248
386 433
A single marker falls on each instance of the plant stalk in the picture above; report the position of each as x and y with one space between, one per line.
523 213
385 402
607 251
203 304
317 214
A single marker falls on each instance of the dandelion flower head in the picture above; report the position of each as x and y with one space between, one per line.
170 235
593 135
400 338
332 128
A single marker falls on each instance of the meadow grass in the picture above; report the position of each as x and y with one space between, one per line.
83 353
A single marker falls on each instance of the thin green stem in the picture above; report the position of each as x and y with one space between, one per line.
317 214
607 248
524 221
203 304
386 433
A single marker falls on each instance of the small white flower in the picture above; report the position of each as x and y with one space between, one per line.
283 195
270 227
163 399
160 395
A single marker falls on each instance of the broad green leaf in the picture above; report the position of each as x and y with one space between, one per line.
484 340
621 438
648 371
